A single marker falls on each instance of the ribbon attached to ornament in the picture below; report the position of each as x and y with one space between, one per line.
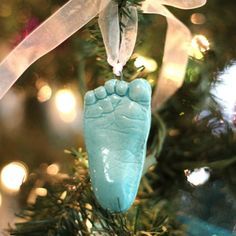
119 45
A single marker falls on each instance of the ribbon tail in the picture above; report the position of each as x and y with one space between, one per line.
129 34
184 4
175 58
109 25
56 29
119 44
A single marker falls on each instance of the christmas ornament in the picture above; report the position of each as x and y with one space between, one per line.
117 116
119 45
117 120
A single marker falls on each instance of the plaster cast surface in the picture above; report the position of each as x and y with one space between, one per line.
117 120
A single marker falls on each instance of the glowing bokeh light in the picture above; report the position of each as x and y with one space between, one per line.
44 93
198 18
65 100
12 105
148 63
151 81
0 199
199 45
173 72
66 105
201 42
198 176
53 169
42 192
63 195
5 10
13 175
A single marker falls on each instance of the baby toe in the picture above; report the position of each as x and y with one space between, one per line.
89 98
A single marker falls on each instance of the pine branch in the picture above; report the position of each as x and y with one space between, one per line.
70 208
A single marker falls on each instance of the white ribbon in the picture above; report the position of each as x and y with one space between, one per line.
119 45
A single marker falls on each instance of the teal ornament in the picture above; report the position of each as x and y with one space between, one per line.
117 119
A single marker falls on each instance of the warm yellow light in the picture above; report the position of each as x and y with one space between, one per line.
151 81
66 105
5 10
201 42
149 64
53 169
42 192
173 72
65 101
63 195
44 93
89 225
199 45
196 53
174 132
13 175
0 199
68 117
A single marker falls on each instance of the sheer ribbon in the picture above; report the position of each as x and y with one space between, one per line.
119 45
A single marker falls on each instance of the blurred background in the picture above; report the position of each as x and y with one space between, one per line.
41 115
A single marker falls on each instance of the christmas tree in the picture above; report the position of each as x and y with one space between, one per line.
188 179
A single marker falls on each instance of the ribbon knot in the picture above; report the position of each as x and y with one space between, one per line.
117 69
119 45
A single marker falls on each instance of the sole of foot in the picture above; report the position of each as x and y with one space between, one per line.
117 119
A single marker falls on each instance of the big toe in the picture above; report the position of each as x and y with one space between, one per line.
140 91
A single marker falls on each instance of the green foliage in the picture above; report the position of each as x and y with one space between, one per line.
180 137
70 208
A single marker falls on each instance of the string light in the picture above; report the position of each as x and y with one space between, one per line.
173 72
66 105
53 169
198 176
63 195
201 42
44 93
88 222
149 64
199 45
42 192
13 175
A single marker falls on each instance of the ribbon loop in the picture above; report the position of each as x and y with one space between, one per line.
119 44
56 29
175 58
109 25
128 35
